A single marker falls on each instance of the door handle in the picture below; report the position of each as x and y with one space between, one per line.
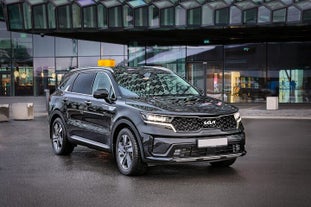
88 103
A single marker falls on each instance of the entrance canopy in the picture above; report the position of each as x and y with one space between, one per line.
162 22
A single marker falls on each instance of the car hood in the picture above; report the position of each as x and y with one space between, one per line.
199 105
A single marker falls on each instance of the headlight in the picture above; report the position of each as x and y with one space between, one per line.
238 118
157 119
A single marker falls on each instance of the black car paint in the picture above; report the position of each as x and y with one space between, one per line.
98 121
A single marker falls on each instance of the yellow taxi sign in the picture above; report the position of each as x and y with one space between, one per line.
106 62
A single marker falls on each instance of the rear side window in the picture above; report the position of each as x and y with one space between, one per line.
83 83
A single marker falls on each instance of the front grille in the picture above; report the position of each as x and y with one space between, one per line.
187 124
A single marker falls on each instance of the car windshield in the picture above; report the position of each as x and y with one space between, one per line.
144 82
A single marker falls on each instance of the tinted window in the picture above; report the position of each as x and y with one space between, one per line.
66 82
102 81
83 83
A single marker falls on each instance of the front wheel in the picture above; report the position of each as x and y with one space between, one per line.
225 163
128 156
60 143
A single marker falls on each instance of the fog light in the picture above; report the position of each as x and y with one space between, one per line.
236 148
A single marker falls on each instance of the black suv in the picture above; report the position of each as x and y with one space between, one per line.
143 115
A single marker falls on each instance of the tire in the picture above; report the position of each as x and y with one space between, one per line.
58 135
225 163
128 156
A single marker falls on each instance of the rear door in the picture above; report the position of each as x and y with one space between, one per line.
77 101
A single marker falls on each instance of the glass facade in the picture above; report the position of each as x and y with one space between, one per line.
31 63
236 73
243 73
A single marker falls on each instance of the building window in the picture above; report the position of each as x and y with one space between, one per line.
306 16
115 16
250 16
76 16
154 16
279 15
167 17
40 18
141 17
102 16
194 17
222 16
64 17
27 16
51 16
15 12
89 17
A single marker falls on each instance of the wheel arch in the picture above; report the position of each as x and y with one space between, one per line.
126 123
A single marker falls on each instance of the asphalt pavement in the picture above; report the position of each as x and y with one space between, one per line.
275 172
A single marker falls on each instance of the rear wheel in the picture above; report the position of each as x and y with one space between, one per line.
225 163
128 156
60 143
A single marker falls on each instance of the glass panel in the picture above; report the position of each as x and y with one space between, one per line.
293 14
76 16
264 15
235 15
27 16
88 48
204 53
39 14
165 55
102 16
112 49
23 77
83 83
250 16
22 46
87 61
163 4
22 63
110 3
136 56
66 47
89 17
153 16
306 16
245 73
64 17
194 16
84 3
65 64
115 17
128 16
243 5
180 16
195 75
45 76
51 16
5 84
279 15
43 46
141 17
33 2
222 16
136 3
291 77
214 80
167 17
15 16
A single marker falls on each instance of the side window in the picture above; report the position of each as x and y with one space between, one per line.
66 83
102 81
83 83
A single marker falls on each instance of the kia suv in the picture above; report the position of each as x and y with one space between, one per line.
143 115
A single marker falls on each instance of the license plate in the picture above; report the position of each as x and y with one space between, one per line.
212 142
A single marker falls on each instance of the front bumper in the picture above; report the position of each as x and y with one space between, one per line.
185 149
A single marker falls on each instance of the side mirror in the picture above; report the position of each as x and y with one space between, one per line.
102 94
